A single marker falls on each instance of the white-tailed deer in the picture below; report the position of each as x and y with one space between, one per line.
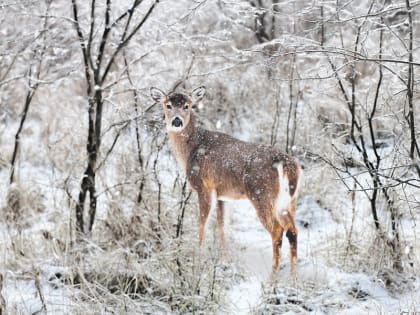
220 167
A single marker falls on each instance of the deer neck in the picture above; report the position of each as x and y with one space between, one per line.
183 142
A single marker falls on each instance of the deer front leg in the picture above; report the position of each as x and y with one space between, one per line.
204 201
220 222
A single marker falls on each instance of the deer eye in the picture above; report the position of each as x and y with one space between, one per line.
168 106
185 107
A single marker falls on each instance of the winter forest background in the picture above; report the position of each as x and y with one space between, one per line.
96 216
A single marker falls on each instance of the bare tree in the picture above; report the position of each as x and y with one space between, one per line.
363 133
33 76
99 54
410 117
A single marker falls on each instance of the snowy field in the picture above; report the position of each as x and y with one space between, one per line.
321 288
323 285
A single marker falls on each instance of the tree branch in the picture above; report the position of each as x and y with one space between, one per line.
123 43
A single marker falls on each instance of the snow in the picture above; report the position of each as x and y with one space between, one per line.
253 251
320 288
21 294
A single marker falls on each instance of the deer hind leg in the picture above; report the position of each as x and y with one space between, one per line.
277 240
220 222
266 215
292 236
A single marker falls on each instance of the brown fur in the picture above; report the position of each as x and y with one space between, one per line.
234 169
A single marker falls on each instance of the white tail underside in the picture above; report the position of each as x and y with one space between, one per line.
283 199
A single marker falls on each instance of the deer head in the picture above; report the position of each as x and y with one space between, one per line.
177 106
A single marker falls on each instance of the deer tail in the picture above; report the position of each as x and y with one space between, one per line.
284 198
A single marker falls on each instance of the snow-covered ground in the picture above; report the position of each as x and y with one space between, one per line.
320 288
323 285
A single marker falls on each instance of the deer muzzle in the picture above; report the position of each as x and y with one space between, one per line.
177 122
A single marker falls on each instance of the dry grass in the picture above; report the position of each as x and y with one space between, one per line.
130 262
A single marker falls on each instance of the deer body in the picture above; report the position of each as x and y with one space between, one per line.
220 167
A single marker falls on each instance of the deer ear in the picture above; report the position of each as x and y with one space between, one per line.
198 93
157 95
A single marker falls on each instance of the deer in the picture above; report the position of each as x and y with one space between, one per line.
220 168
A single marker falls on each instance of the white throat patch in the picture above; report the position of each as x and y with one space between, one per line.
173 128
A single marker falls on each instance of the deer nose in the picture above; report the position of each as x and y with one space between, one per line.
177 122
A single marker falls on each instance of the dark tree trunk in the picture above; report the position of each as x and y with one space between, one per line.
414 147
96 69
